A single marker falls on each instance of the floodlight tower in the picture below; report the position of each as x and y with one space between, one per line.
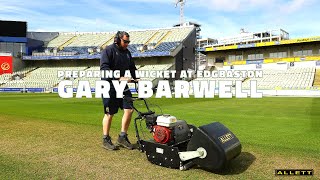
182 3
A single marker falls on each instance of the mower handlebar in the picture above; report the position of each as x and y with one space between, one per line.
133 81
146 113
131 99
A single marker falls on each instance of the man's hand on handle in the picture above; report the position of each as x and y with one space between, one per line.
129 80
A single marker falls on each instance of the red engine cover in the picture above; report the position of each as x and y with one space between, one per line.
161 134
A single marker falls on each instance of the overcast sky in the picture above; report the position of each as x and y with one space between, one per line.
219 18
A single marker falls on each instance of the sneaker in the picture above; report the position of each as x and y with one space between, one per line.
123 141
107 144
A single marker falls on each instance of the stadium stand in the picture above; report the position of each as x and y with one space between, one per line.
242 79
165 46
293 78
316 82
140 37
157 36
25 71
91 80
177 35
48 52
41 77
156 67
94 40
158 49
46 77
4 78
60 40
133 48
148 41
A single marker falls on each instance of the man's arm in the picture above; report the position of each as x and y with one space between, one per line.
132 68
105 62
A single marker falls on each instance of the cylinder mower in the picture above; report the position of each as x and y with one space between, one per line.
177 144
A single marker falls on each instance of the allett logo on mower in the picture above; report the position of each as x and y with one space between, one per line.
176 144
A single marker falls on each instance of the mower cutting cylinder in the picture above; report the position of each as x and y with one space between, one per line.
220 143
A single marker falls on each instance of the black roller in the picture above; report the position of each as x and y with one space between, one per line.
219 142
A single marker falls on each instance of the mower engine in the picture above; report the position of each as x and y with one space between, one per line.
166 129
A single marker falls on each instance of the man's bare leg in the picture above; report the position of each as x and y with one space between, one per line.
123 138
126 118
106 123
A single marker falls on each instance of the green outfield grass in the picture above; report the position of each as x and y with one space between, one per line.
45 136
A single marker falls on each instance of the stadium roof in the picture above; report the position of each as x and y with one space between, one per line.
262 44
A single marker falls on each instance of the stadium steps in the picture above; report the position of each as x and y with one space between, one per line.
55 85
210 68
108 42
316 81
66 43
151 38
245 80
30 71
163 38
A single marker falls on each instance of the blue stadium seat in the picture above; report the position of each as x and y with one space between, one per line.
79 50
133 48
165 47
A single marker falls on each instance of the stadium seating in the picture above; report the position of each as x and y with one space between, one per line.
177 35
42 77
133 48
165 46
4 78
316 82
158 36
46 77
218 79
60 40
140 37
293 78
78 50
91 80
156 40
90 39
157 67
25 70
